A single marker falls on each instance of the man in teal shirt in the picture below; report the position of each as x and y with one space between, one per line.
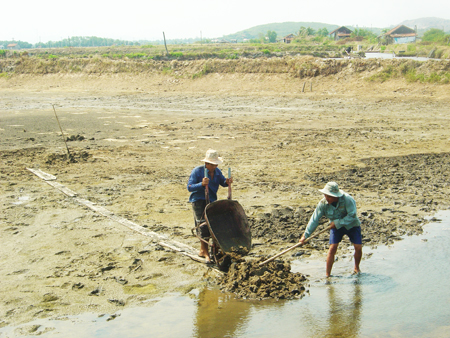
340 208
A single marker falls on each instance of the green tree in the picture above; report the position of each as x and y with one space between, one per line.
434 35
306 31
322 32
272 35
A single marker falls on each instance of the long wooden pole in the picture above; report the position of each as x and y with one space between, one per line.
229 185
294 246
64 138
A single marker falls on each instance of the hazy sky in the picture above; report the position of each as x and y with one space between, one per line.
45 20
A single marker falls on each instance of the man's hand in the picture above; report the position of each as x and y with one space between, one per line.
302 240
229 180
205 181
332 225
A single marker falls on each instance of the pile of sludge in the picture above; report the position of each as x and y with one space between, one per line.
249 280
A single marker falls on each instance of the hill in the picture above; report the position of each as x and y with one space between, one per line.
282 29
285 28
427 23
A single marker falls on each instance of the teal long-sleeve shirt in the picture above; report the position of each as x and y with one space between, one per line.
343 214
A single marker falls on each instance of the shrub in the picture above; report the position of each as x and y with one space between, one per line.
411 48
233 56
446 78
434 77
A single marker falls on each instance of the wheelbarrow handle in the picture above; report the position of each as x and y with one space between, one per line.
294 246
229 184
207 187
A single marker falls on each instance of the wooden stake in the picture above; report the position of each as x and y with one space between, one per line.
64 138
167 51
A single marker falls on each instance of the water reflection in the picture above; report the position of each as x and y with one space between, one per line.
344 316
218 315
338 315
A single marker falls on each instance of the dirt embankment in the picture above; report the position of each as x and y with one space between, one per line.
298 66
138 134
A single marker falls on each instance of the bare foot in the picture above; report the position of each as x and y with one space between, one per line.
205 256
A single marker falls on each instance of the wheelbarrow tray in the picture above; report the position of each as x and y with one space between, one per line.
228 225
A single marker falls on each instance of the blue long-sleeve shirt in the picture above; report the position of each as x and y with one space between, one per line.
196 189
343 214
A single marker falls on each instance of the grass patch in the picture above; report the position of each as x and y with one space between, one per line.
433 77
206 70
176 54
387 73
167 71
136 55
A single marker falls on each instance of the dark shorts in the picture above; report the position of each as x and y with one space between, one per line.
198 207
354 234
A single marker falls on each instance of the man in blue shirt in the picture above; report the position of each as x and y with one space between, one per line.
340 208
196 186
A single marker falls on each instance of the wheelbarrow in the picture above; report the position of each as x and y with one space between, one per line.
228 227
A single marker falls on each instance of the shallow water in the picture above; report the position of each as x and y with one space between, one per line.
403 292
392 56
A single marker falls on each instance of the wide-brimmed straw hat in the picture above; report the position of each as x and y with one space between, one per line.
212 156
332 189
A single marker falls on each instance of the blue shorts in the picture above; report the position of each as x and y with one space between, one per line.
354 234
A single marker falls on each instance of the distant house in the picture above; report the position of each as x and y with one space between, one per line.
219 41
340 33
288 38
2 47
399 34
12 46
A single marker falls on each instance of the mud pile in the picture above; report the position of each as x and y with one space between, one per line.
248 280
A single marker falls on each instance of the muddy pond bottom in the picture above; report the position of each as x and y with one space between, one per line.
402 292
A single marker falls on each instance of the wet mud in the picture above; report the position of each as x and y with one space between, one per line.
249 280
